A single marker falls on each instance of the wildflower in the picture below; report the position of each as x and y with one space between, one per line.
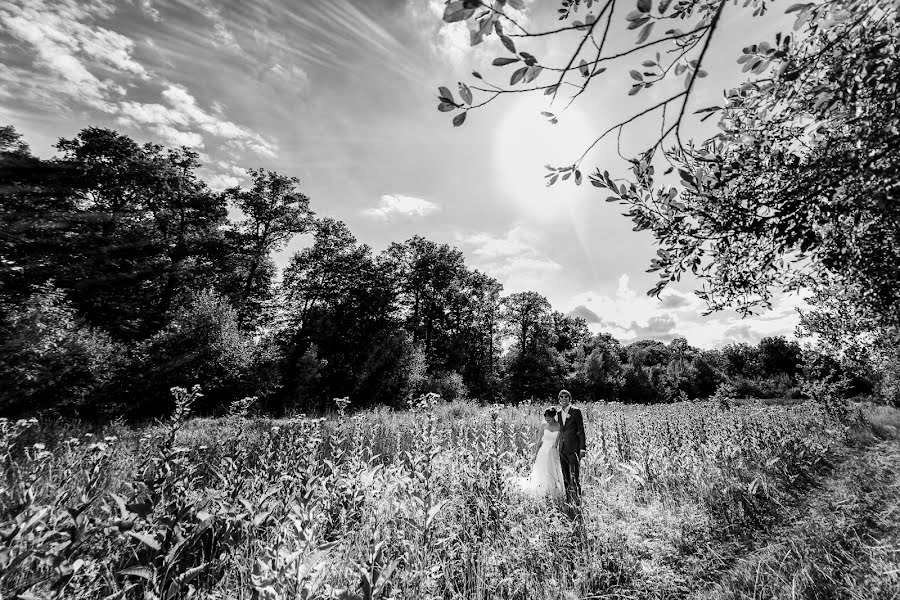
342 403
39 447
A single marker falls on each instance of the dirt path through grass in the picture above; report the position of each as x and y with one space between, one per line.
841 541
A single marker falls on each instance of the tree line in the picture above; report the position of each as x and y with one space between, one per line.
122 275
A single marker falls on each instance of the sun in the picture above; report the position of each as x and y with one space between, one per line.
525 141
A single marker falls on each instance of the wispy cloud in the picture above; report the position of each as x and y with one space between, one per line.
513 258
174 122
70 48
223 35
630 316
391 206
66 44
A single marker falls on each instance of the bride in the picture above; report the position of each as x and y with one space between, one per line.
546 473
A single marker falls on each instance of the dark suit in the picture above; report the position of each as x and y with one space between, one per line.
571 442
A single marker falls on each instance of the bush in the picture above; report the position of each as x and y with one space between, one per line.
202 344
776 386
450 386
51 359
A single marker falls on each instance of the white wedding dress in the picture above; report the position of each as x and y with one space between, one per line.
546 473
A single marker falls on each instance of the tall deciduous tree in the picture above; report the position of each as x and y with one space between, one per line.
274 211
122 228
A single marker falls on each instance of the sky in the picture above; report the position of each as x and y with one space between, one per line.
342 94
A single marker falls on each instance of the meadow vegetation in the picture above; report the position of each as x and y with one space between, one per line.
680 500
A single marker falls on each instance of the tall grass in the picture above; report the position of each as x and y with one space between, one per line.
378 504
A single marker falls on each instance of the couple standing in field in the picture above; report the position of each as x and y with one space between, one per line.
561 448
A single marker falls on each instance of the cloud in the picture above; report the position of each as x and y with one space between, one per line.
631 316
396 205
220 181
68 48
513 258
293 73
147 8
585 313
676 300
742 333
73 56
182 112
658 327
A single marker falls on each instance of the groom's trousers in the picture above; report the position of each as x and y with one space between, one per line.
571 479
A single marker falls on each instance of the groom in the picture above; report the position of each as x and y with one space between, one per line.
571 444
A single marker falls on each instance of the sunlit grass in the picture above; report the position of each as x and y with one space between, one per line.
380 503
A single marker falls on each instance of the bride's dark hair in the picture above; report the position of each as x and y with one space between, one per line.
550 413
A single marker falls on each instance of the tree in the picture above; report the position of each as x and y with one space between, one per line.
340 300
51 359
800 186
274 211
122 228
648 353
568 332
431 281
526 316
203 344
779 356
601 372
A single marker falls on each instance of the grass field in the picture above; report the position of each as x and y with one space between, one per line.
682 500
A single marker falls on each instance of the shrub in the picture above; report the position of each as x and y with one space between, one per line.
450 386
202 343
51 359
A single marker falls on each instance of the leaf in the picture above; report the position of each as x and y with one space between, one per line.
476 74
583 67
517 4
550 90
120 502
795 8
445 107
446 94
644 5
636 75
639 22
645 32
532 73
517 76
577 177
138 571
466 93
457 11
549 115
477 35
146 539
507 41
459 119
503 61
598 70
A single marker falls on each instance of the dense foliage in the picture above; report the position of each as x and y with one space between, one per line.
422 503
123 276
